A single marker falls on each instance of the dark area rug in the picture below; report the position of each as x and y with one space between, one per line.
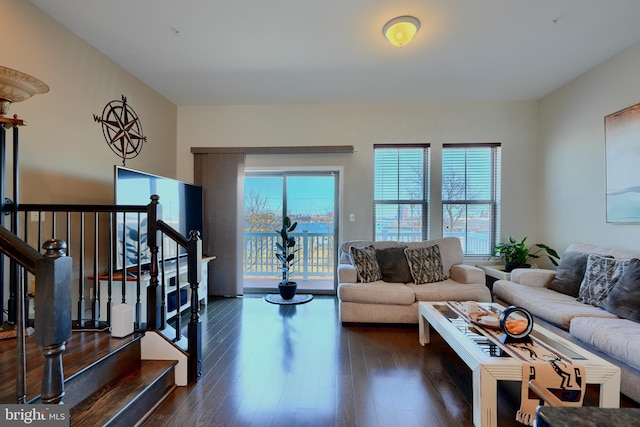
297 299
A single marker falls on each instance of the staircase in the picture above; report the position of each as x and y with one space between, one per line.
106 382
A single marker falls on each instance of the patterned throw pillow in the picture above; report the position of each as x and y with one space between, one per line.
425 265
600 277
366 263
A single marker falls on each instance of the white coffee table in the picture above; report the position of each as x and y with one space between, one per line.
487 370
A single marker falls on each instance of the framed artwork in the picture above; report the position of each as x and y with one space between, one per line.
622 142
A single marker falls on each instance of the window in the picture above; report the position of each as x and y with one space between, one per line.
400 200
268 197
471 195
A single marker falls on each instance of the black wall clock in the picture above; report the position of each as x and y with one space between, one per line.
122 129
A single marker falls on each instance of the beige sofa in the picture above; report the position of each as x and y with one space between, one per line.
394 302
602 332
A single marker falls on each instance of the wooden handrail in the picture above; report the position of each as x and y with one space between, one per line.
37 207
173 234
18 250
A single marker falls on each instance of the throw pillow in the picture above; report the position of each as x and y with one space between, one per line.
366 263
425 265
393 265
624 298
600 277
570 273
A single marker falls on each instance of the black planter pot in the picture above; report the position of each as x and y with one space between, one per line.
287 291
508 266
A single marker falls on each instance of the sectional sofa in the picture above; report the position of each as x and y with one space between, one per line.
392 277
593 299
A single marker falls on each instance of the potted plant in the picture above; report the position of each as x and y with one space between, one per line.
517 255
285 253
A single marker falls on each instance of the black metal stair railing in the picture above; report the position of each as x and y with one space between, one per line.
89 233
92 241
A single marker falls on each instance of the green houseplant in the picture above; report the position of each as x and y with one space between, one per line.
286 254
516 254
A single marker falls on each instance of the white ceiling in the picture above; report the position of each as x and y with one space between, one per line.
198 52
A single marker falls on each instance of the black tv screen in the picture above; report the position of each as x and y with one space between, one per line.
180 207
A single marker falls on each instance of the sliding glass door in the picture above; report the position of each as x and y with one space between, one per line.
310 199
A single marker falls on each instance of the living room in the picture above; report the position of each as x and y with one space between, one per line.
553 146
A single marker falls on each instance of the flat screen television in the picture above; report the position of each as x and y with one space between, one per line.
180 207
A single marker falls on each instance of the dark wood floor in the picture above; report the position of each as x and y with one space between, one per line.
270 365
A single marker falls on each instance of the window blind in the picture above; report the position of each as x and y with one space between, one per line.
471 195
401 192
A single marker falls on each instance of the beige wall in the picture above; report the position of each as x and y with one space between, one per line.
511 123
63 155
553 150
571 203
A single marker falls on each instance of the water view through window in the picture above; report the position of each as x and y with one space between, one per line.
470 194
309 200
401 192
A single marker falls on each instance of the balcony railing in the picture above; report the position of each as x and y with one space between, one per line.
315 256
472 243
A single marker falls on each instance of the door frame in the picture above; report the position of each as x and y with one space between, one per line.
338 173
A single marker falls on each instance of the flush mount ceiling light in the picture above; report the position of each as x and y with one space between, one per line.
399 31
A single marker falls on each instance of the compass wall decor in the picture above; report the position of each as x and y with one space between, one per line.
122 129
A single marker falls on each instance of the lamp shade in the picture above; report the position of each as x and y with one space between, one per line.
16 86
399 31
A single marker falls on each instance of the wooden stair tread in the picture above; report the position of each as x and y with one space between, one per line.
82 350
109 401
106 383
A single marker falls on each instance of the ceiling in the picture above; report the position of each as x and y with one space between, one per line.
199 52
